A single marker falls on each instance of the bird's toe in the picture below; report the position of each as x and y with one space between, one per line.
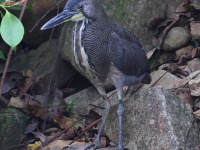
94 145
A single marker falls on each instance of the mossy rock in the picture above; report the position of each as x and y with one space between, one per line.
12 125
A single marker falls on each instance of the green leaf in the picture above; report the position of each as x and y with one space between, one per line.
2 55
1 1
18 7
78 124
1 14
12 30
69 107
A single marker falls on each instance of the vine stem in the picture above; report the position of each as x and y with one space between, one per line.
10 53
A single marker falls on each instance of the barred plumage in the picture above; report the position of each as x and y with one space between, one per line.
105 52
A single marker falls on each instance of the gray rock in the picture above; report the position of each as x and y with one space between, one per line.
155 119
195 29
176 38
42 61
90 95
164 79
12 126
66 43
82 99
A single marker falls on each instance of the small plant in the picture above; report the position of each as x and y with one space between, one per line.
69 107
11 28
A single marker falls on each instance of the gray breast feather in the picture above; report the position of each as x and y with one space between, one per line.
95 42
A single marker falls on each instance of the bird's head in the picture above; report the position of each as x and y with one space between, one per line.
76 10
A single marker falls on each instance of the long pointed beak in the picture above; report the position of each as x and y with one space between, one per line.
64 16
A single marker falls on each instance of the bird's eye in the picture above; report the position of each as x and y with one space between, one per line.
80 7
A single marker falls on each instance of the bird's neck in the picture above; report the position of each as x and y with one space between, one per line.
78 49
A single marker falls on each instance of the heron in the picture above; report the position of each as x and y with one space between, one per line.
105 52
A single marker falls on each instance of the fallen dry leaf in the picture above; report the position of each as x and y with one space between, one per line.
184 82
60 144
66 122
183 52
197 113
16 102
36 109
182 7
34 145
194 85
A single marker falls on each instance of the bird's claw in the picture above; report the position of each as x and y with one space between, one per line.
94 145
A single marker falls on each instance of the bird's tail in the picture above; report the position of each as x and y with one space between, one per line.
146 78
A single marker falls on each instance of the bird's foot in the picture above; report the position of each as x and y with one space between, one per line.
95 145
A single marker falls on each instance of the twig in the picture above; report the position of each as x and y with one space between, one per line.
10 53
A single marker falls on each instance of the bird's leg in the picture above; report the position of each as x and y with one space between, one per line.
96 143
105 114
120 113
